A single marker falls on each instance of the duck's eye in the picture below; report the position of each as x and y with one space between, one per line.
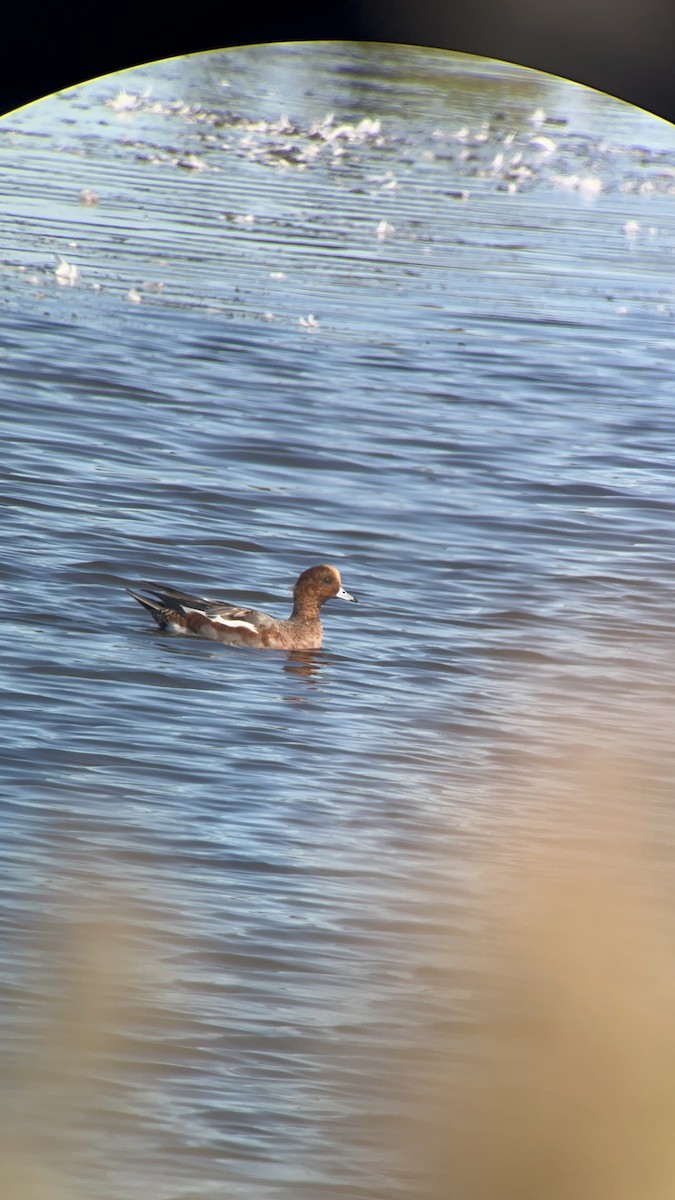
327 579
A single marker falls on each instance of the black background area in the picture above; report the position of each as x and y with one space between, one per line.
623 47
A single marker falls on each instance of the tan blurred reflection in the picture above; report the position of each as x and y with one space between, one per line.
571 1091
90 972
564 1089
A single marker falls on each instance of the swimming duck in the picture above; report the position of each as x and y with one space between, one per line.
179 612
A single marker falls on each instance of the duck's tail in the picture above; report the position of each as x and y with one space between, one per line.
154 607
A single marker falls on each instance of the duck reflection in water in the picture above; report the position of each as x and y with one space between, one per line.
305 664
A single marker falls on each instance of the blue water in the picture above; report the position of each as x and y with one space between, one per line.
256 878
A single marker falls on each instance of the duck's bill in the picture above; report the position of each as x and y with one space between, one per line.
343 595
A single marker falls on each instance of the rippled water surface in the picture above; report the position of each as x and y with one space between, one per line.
406 312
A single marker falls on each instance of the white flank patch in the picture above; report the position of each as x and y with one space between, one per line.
232 623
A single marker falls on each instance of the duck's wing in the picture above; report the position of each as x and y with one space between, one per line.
225 616
181 612
171 597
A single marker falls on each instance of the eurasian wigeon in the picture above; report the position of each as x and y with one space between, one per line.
181 613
